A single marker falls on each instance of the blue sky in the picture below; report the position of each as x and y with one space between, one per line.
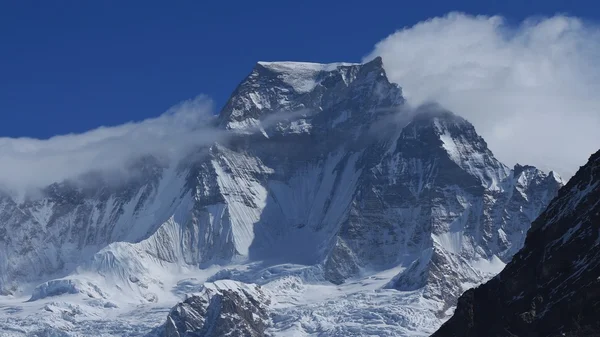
70 66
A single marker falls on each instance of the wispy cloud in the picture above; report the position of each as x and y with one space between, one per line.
531 90
28 163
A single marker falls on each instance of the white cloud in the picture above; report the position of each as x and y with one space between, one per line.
28 163
532 91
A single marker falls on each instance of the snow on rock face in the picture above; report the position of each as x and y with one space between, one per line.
280 88
459 204
302 77
332 182
223 308
43 235
54 234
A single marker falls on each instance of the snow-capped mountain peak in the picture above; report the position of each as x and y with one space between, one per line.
313 89
458 138
303 77
333 195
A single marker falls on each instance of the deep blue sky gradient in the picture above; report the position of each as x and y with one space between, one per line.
70 66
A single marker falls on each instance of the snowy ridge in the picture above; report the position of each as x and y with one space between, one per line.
472 156
287 67
350 222
302 76
71 224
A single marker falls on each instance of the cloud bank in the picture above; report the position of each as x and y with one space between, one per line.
28 163
532 90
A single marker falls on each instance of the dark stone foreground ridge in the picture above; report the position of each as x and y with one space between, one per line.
552 286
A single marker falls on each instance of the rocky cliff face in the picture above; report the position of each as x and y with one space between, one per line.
325 167
552 286
224 308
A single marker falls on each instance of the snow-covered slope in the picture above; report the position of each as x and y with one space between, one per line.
330 191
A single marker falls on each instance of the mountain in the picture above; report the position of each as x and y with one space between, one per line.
552 286
342 202
224 308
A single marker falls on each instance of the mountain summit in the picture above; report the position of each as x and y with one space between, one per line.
344 209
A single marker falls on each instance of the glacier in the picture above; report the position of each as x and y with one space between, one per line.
352 212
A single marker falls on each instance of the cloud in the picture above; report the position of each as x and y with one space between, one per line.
28 163
531 90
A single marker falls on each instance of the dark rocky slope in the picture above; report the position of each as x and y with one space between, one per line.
224 308
552 286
